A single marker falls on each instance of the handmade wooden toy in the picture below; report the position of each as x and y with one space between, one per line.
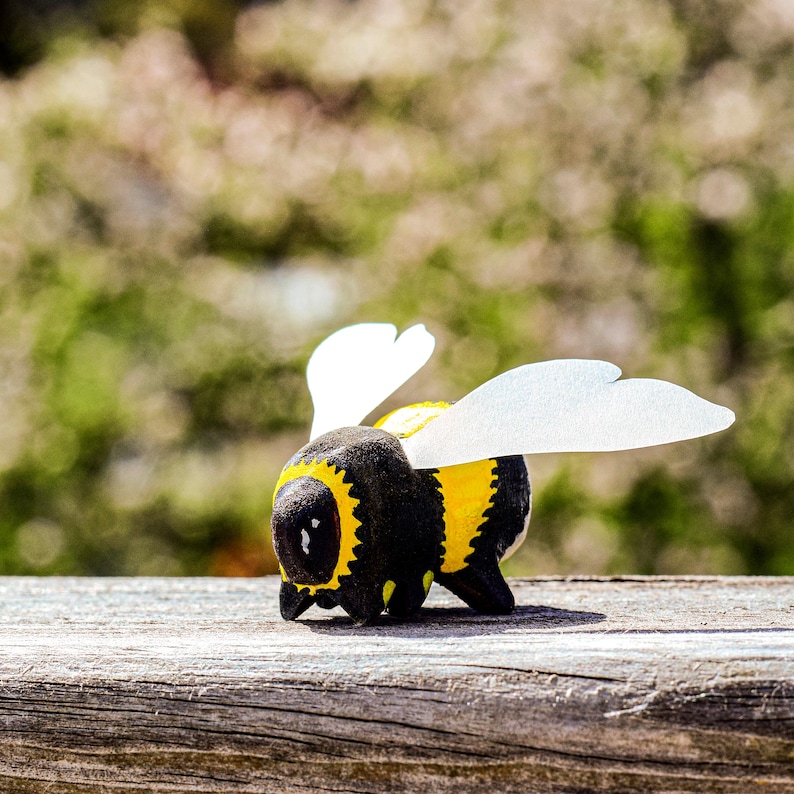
367 518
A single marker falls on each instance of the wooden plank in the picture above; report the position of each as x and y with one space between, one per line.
188 685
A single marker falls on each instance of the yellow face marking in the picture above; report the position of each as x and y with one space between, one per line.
467 490
411 419
333 478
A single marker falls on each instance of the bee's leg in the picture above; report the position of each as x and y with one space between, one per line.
324 601
482 587
363 603
480 582
407 597
293 602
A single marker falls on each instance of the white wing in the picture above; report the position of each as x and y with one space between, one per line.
355 369
572 405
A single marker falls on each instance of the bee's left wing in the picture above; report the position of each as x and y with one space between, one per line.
573 405
355 369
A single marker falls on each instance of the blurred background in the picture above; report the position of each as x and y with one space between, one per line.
194 194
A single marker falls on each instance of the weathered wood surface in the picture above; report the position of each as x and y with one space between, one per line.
187 685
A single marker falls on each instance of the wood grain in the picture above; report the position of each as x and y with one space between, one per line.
196 685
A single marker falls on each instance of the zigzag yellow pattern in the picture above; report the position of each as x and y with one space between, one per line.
332 477
467 490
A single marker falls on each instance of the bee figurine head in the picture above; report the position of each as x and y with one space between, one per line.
366 518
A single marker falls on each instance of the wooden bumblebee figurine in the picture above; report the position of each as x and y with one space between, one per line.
367 518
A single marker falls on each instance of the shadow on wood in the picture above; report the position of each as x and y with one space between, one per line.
457 622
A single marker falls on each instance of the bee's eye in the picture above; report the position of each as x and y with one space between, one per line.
306 531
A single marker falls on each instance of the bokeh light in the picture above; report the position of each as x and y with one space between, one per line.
192 195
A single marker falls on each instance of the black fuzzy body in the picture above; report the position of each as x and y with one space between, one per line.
402 526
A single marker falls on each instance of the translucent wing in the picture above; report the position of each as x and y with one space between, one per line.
355 369
563 406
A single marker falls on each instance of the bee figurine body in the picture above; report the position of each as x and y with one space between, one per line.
367 518
355 525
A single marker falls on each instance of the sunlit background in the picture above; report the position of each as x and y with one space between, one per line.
193 194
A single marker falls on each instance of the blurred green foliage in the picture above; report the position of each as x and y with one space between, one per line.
192 195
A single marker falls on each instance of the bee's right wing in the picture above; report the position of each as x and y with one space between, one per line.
573 405
355 369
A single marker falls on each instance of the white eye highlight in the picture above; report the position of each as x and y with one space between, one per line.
305 540
315 523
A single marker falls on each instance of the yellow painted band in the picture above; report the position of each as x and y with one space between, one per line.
333 478
411 419
467 490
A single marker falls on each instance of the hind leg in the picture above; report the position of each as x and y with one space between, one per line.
407 597
482 587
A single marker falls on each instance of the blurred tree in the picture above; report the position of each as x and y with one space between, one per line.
193 194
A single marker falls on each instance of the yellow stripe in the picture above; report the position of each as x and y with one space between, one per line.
411 419
467 490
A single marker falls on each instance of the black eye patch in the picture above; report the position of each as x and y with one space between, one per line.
306 532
